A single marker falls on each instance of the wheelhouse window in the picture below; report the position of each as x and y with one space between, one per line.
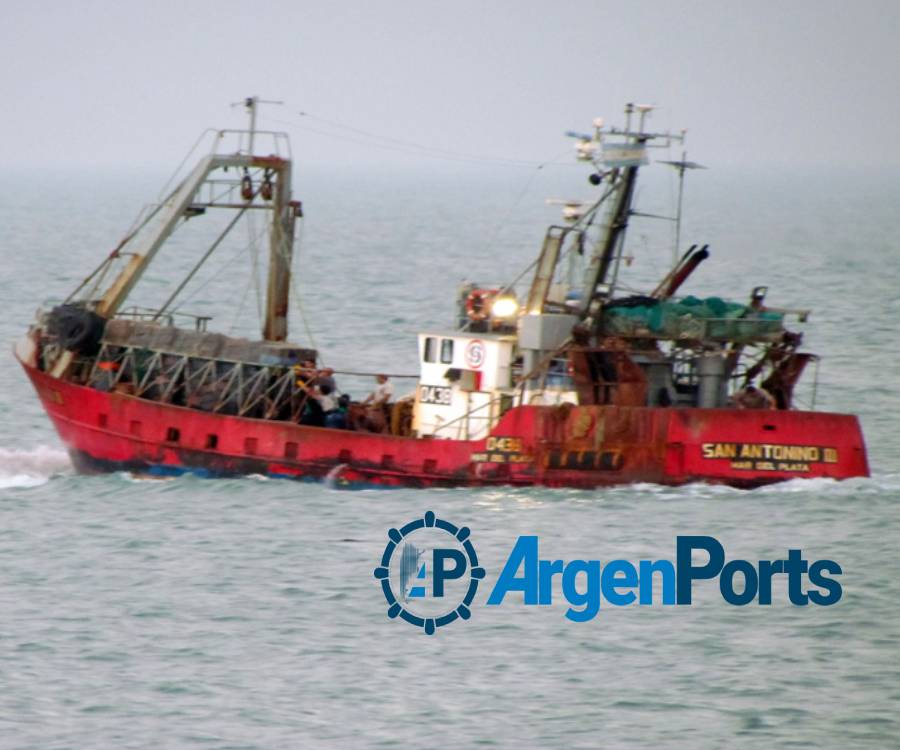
447 351
430 354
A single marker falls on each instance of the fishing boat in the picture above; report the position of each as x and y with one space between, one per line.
566 381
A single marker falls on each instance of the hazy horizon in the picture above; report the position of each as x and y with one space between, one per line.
100 83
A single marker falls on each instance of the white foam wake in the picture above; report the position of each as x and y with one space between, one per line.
31 467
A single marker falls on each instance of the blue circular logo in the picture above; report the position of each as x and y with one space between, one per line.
433 579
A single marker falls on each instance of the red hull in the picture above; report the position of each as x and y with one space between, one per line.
577 446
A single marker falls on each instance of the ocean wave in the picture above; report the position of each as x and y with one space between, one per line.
31 467
876 484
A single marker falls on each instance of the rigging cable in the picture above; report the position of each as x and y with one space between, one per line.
437 150
522 193
199 264
254 264
221 269
240 309
298 300
184 161
395 144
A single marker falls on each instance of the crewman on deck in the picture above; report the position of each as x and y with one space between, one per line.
105 376
305 373
326 377
751 397
377 403
383 392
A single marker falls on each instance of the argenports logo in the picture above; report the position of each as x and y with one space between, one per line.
429 574
433 579
587 583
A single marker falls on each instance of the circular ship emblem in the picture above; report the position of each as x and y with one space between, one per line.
475 354
432 581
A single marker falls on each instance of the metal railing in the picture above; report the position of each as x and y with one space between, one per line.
463 422
150 314
688 328
234 388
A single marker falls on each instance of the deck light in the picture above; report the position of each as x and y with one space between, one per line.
504 307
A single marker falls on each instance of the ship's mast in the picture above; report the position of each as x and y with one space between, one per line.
281 250
250 104
281 240
618 155
610 244
272 193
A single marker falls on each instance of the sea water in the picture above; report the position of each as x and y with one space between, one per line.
242 613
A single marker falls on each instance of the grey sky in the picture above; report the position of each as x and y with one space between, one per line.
99 82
